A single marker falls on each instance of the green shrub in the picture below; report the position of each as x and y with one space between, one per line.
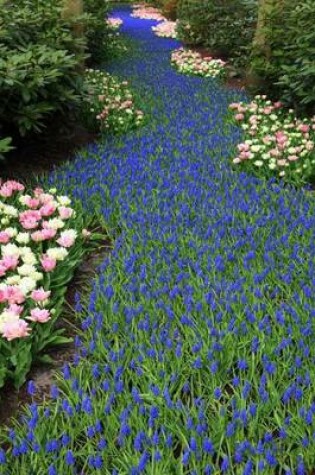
287 63
40 60
96 30
225 27
5 146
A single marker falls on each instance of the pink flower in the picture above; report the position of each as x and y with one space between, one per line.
31 202
64 212
10 262
48 209
39 315
14 294
281 163
239 117
48 263
4 237
16 309
49 233
3 295
15 329
304 128
243 147
38 191
3 270
66 241
293 158
37 236
39 295
29 224
6 191
268 110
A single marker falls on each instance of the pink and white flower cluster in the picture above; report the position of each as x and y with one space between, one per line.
145 12
111 102
114 22
166 29
191 62
275 140
36 234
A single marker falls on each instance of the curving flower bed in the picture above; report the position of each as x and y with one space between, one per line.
144 12
108 104
114 23
191 62
166 29
42 239
276 142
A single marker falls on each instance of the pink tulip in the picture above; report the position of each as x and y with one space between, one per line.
64 212
39 295
48 263
31 202
66 241
48 209
4 237
14 294
39 315
16 309
49 233
304 128
37 236
10 262
15 329
239 117
29 224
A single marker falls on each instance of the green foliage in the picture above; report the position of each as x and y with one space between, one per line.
287 61
96 30
40 60
5 146
225 27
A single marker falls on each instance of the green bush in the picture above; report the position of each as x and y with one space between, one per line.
225 27
96 30
287 64
40 61
5 146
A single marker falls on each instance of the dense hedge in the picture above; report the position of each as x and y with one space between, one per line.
42 54
226 27
288 62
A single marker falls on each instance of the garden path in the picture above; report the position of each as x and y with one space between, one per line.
196 341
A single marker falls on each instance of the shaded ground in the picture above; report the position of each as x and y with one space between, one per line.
43 153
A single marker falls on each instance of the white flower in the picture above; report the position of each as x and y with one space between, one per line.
13 280
23 238
64 200
36 276
258 163
10 211
58 253
255 148
27 284
29 258
272 166
55 223
10 250
26 269
11 231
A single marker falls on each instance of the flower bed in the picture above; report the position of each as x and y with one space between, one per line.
147 13
108 104
166 29
276 142
114 23
42 240
190 62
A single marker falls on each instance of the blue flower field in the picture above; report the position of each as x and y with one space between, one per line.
197 353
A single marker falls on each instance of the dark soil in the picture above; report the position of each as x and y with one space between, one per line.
42 153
